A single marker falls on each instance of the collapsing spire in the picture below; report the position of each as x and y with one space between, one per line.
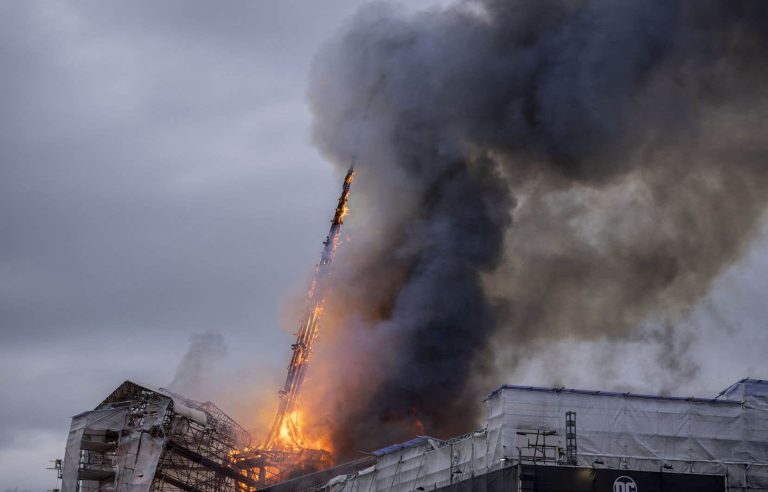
285 433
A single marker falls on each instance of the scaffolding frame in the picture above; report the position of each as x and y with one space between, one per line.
571 450
154 440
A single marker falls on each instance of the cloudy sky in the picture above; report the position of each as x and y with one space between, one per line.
158 182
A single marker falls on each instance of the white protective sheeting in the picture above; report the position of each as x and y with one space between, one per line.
137 461
723 436
72 453
424 463
128 464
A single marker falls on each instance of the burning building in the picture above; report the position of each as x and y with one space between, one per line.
544 439
144 439
558 439
533 170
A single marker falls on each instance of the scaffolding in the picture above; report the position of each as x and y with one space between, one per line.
571 451
142 439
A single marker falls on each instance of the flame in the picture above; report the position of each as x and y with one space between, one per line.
344 212
248 463
419 425
296 435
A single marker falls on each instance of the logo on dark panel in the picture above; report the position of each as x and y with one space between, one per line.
624 484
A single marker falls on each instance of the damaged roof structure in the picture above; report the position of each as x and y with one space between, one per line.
142 439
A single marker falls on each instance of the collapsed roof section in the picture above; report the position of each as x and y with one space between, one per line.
142 439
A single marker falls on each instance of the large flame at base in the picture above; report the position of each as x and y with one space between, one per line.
295 435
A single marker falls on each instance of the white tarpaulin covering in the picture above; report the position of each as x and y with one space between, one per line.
127 464
727 435
72 453
137 461
723 436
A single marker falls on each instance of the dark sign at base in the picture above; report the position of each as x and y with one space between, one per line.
561 478
573 479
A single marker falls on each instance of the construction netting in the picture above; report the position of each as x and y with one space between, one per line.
92 458
727 436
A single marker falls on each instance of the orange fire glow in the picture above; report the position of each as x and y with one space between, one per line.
344 212
296 434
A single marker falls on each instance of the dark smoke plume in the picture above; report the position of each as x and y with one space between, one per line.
528 170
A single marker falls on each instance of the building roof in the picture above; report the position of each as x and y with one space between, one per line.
404 445
744 388
723 398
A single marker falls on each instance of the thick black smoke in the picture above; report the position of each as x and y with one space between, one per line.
528 169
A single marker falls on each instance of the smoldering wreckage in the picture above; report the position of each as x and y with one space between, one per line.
528 170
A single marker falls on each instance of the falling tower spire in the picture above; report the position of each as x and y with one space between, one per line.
285 432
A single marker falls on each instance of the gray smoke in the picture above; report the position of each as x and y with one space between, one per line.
529 170
194 374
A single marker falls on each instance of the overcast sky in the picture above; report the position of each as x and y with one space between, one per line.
157 181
